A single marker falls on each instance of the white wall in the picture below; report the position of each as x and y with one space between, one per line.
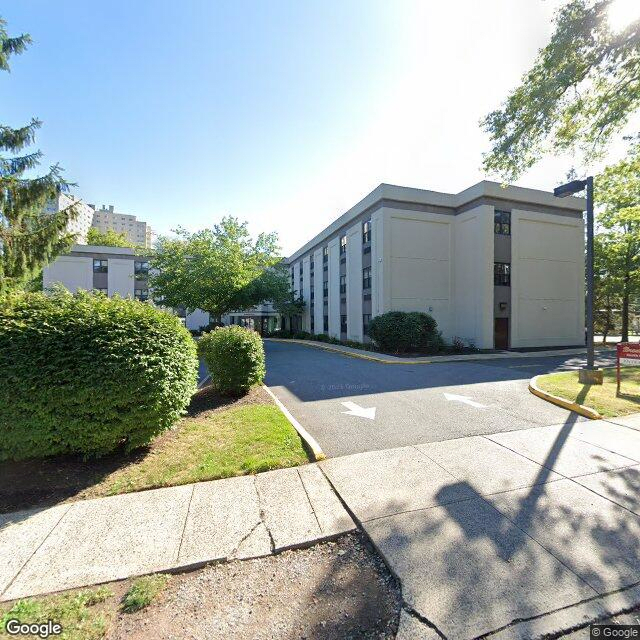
198 319
306 293
296 280
473 276
377 263
120 277
418 268
547 279
317 293
72 272
334 288
354 283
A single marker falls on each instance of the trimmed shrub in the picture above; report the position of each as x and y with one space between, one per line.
279 333
399 331
207 327
235 358
425 334
302 335
85 374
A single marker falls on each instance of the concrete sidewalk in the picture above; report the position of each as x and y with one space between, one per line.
518 534
94 541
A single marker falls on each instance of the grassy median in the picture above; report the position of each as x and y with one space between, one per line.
232 442
220 438
603 398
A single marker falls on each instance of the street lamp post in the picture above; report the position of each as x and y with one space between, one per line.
589 374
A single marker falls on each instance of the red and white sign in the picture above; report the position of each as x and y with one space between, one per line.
627 354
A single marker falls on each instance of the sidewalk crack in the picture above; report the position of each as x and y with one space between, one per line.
408 609
309 501
263 519
186 519
242 540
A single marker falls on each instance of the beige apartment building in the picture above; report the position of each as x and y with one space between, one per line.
136 231
83 221
113 271
496 267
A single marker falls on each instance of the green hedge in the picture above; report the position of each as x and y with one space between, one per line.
235 358
86 374
401 332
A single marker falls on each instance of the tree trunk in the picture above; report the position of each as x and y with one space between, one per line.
626 294
625 310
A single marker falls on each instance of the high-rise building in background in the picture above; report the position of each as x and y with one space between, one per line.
80 226
137 231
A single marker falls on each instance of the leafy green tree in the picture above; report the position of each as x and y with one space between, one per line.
29 237
217 270
108 238
581 90
618 196
607 291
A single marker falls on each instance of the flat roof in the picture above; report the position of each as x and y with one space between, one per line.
452 201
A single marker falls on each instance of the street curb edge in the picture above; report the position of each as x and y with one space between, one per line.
581 409
308 439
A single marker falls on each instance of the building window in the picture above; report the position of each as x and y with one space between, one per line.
343 324
366 278
311 293
312 323
311 265
343 284
366 231
141 269
325 255
343 244
501 274
502 223
325 289
366 320
100 266
102 290
141 294
325 324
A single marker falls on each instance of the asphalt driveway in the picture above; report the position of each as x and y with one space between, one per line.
334 397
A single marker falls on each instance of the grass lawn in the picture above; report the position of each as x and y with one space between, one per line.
85 614
603 397
219 438
232 442
82 614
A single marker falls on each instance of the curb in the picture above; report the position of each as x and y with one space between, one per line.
307 438
501 355
581 409
349 354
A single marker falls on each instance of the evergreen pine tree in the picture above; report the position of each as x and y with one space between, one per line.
29 237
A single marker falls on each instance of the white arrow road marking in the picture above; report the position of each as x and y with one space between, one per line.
357 410
465 400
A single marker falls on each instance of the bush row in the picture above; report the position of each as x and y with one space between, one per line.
394 331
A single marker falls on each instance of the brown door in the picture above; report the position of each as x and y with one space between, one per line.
501 333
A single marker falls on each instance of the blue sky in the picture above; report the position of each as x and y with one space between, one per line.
282 113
